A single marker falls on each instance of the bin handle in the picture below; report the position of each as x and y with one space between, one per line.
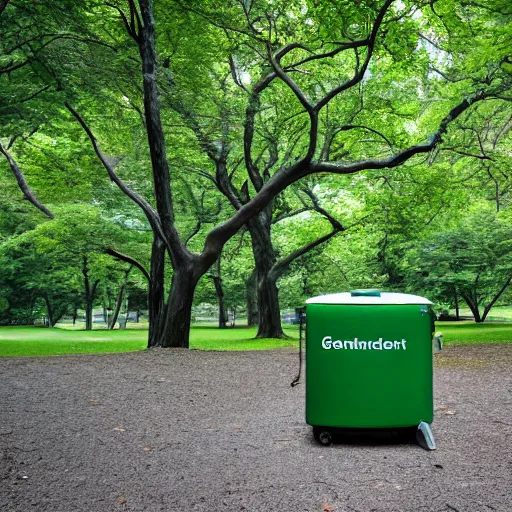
365 293
438 341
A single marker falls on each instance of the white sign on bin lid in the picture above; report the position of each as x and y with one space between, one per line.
368 297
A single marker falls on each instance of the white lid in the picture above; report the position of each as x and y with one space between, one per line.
383 298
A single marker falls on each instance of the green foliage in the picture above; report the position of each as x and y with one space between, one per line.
47 263
409 221
473 261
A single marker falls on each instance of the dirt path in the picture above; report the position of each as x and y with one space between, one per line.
199 431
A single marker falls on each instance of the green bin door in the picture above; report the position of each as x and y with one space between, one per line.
368 365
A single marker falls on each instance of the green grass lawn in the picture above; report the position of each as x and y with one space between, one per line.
497 313
40 341
464 333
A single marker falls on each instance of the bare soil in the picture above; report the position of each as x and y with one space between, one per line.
171 430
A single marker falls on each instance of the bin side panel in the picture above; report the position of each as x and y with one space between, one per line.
385 383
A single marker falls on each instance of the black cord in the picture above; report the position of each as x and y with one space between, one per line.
302 318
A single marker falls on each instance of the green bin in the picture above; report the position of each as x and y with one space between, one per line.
369 363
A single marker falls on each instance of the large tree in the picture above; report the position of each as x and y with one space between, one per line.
333 60
170 321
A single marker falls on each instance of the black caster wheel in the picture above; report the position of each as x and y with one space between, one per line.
323 437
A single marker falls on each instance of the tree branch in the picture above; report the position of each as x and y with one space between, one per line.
162 179
275 61
135 18
149 211
288 215
130 27
203 174
32 96
291 174
447 77
360 127
465 153
282 266
190 119
250 114
128 259
360 72
342 47
430 41
235 73
225 185
28 194
54 37
3 5
94 289
186 5
193 233
316 206
502 131
496 297
402 156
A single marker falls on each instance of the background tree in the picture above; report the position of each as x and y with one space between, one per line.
62 262
473 261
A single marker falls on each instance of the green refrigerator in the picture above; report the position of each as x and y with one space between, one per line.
369 363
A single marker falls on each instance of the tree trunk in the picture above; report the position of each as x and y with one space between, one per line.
119 301
270 313
88 315
30 311
489 306
217 281
57 317
156 306
117 308
252 299
49 310
174 329
180 309
54 315
90 294
269 322
457 308
473 307
88 303
124 321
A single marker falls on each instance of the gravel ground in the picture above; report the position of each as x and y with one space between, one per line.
203 431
